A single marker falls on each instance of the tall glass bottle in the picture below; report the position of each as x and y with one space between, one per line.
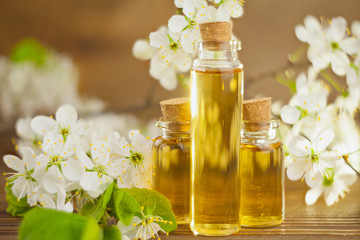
216 112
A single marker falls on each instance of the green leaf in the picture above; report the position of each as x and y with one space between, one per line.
97 210
47 224
29 50
125 206
15 207
112 233
156 204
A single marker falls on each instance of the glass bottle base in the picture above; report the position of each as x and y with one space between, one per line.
260 222
214 229
182 219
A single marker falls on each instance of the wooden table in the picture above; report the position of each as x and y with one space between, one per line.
341 221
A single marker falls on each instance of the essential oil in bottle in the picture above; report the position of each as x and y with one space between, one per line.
171 156
216 107
262 167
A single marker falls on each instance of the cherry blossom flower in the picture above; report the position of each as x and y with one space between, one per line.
43 198
66 123
60 155
142 228
23 181
189 26
229 8
136 159
189 7
328 44
170 59
309 158
334 185
100 168
311 98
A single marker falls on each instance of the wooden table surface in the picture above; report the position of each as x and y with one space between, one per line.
341 221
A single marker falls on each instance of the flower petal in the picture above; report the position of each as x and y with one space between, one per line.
41 125
235 9
313 178
350 45
90 181
289 114
71 145
29 157
53 144
100 152
296 169
177 23
159 39
313 195
355 29
14 163
339 62
81 155
23 128
300 146
72 169
182 61
52 179
142 50
337 29
168 79
323 139
66 116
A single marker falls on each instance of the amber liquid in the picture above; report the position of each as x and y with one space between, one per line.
216 100
171 165
262 182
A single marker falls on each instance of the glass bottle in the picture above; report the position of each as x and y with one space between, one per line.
171 165
262 174
216 91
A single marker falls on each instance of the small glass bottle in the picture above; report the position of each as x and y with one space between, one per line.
216 107
262 172
171 158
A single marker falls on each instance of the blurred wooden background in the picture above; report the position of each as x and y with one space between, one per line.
99 35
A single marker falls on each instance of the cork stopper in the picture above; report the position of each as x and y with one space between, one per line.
176 109
216 31
257 110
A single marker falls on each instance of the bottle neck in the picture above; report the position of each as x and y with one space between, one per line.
260 132
219 50
174 129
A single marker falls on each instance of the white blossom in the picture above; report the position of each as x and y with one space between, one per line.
189 26
170 58
66 123
334 185
310 158
229 8
23 181
328 44
101 169
142 228
136 159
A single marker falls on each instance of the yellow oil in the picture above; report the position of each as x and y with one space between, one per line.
262 192
216 100
171 162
